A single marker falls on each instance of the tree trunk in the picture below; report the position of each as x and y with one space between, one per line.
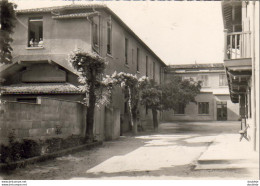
134 127
91 112
132 112
155 120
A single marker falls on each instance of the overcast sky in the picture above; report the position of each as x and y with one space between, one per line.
178 32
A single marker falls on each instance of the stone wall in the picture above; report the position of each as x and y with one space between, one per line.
47 118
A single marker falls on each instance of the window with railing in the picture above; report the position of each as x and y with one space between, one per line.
35 35
238 45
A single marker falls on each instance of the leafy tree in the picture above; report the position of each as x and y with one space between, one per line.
151 97
90 67
132 87
6 29
168 96
179 91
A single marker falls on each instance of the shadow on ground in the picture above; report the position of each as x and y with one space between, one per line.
182 171
180 134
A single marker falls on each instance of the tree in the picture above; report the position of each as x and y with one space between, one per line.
151 97
90 67
6 29
179 91
131 85
168 96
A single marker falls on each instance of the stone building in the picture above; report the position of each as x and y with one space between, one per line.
213 101
241 61
43 38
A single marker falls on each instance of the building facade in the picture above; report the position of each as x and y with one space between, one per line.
241 61
43 39
213 101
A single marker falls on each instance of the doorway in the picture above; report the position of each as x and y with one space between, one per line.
221 110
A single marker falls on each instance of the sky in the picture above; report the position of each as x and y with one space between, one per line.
178 32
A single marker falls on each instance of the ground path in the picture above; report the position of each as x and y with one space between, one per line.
169 154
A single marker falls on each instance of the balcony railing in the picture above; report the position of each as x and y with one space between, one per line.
237 45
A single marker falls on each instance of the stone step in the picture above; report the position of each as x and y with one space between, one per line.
226 164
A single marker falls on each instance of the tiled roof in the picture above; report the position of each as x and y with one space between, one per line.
40 88
196 66
65 7
76 15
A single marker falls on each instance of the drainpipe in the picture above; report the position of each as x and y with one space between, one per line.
253 80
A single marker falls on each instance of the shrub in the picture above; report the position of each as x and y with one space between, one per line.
5 154
16 151
30 148
53 144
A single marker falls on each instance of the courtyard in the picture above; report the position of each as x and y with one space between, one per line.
178 151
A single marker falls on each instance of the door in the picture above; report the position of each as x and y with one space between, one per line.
222 111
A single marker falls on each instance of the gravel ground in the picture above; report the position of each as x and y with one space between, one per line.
169 154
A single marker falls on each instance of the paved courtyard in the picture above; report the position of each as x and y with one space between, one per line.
172 153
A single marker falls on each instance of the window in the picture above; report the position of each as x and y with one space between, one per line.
27 100
161 74
126 51
203 107
35 38
153 70
146 66
95 34
189 78
204 80
109 37
223 80
132 56
180 109
137 59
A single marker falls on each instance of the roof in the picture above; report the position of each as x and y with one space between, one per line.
40 88
64 7
197 66
76 15
216 91
95 6
60 59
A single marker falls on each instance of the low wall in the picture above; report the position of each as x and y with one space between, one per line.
47 118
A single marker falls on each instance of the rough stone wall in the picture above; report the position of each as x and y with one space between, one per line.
47 118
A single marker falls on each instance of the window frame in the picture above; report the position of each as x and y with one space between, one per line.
31 100
109 37
146 66
202 80
94 34
180 109
205 108
221 80
137 58
126 50
153 70
34 19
